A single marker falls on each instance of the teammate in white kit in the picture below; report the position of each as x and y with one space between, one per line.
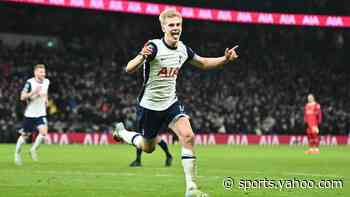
35 94
158 103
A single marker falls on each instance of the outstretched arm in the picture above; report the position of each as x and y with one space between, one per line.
207 63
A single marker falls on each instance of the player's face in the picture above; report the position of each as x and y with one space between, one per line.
310 98
172 29
40 73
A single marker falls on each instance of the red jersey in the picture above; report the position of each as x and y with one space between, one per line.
312 114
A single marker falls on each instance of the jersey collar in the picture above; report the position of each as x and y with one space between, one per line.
169 47
38 81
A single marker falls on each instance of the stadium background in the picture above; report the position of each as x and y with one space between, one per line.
262 93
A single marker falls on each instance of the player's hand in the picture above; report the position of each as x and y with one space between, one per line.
230 54
315 130
146 51
36 91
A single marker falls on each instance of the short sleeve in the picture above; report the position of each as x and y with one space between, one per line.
318 107
27 87
190 53
154 51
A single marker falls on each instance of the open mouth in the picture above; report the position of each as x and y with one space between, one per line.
175 33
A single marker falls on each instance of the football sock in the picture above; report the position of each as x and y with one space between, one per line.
189 165
39 139
138 154
19 144
164 146
131 137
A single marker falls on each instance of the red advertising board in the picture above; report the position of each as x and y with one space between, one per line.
232 16
201 139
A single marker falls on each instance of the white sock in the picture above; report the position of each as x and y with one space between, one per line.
189 165
39 139
19 144
131 137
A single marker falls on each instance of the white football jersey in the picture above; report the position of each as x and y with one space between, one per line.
36 106
160 72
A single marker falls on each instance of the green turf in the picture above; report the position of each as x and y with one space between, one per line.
102 171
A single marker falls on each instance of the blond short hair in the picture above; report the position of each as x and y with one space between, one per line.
39 66
168 13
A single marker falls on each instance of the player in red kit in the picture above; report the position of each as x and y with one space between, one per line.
312 118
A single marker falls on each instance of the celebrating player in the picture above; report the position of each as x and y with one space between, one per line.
35 94
158 103
312 118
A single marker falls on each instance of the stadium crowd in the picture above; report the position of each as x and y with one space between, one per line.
263 92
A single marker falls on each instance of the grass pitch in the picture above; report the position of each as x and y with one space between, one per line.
103 171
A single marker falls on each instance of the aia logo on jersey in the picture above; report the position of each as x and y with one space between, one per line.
168 72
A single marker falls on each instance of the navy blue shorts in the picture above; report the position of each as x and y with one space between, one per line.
30 125
149 122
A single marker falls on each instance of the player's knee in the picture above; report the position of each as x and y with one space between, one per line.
43 131
188 138
149 149
25 137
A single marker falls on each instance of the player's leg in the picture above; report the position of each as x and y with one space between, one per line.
20 141
148 123
137 161
317 143
178 121
165 148
134 138
315 140
182 128
309 139
163 145
130 137
27 127
42 128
